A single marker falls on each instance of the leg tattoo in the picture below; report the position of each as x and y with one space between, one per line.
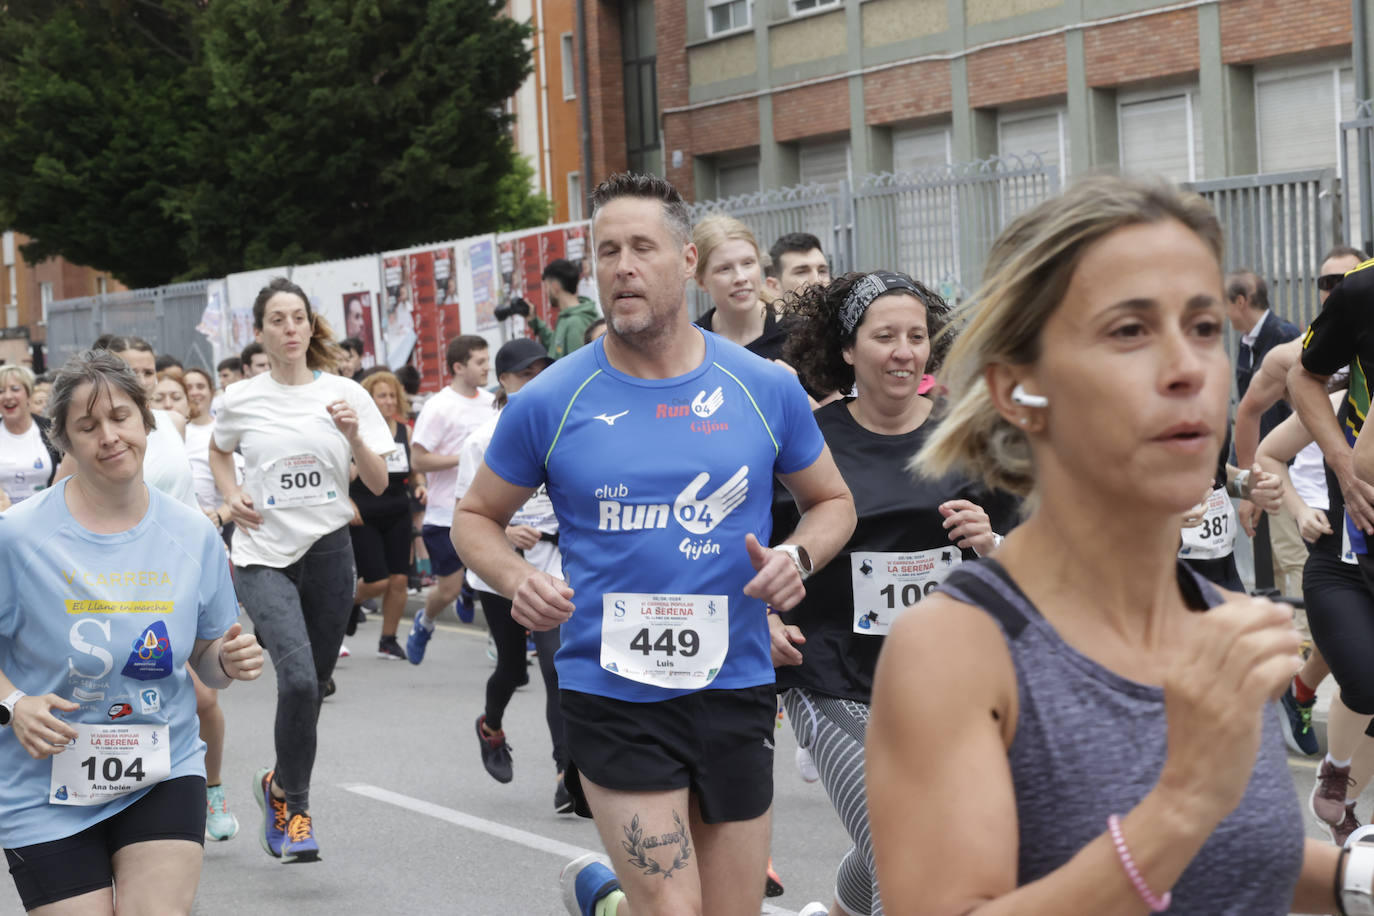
638 846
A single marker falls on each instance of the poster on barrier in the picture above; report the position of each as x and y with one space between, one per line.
242 289
214 324
421 310
359 323
524 255
478 284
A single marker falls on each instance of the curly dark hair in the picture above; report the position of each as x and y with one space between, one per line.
815 340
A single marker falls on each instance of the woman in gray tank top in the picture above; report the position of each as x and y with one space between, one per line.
1063 730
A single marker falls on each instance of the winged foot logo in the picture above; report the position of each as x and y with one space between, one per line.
697 513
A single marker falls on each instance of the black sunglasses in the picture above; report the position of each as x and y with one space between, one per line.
1327 282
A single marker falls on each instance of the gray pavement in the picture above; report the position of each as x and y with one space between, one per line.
408 821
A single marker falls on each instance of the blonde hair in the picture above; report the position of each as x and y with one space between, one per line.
25 376
382 377
715 230
1028 272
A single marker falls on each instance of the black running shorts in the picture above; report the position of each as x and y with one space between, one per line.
381 546
716 743
45 873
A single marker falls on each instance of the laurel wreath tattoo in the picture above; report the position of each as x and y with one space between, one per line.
637 846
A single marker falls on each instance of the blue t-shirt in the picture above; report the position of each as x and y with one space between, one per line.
655 483
108 621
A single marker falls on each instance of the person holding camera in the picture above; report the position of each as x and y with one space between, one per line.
575 313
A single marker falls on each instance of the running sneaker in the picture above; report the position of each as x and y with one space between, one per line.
1328 798
464 606
219 823
772 884
496 756
419 638
329 688
562 798
1297 723
491 647
388 647
806 766
343 651
1341 832
586 881
299 845
273 813
814 908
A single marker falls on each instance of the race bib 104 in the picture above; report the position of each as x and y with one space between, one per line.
673 641
886 584
297 480
107 761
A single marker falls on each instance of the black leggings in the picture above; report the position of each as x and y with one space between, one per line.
1340 611
510 670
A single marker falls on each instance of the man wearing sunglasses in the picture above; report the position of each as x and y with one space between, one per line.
1268 385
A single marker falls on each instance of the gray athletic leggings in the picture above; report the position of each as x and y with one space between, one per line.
299 613
833 731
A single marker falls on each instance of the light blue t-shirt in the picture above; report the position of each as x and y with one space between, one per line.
108 621
655 483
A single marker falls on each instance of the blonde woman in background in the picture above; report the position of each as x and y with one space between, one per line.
1079 724
28 459
730 271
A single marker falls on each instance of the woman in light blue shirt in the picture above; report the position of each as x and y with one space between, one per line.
108 589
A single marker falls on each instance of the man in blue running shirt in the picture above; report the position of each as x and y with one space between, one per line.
659 445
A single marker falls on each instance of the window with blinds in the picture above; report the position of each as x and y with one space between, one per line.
915 149
1297 119
1040 133
1159 136
737 178
825 163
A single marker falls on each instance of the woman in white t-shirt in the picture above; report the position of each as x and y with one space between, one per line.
27 459
199 430
298 426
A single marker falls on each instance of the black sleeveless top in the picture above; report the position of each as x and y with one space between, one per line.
396 497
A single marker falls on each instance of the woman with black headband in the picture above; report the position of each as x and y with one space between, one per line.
871 333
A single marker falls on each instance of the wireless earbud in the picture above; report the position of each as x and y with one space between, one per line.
1019 396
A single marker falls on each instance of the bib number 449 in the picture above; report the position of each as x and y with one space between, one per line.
669 642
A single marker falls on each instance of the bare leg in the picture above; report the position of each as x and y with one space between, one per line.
1314 670
393 604
443 594
156 878
211 727
369 590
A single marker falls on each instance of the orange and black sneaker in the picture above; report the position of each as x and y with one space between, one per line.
300 845
273 813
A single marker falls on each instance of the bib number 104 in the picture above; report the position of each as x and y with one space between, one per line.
669 642
113 769
911 593
300 480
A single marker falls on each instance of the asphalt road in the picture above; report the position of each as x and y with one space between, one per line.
409 822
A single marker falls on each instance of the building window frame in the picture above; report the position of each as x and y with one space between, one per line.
45 299
735 28
574 185
1189 94
567 61
812 8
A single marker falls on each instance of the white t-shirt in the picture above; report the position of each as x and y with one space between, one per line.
198 452
295 460
1308 473
537 512
166 466
25 464
442 427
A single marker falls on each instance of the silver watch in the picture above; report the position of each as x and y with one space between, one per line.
1357 881
800 558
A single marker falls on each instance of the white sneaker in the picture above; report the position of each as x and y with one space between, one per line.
814 908
343 651
807 768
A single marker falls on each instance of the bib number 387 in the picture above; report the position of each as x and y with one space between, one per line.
673 641
108 761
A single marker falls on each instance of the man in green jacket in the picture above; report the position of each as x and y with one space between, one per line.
575 312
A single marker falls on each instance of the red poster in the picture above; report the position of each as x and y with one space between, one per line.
434 305
358 323
524 258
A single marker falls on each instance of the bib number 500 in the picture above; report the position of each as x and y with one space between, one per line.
300 480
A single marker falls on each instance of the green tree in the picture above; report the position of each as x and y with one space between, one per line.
173 139
93 99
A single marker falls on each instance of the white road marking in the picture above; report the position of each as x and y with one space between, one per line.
492 828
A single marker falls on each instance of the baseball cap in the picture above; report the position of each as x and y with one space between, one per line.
518 354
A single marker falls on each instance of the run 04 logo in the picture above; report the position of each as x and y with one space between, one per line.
697 513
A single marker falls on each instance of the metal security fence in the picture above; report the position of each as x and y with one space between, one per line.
939 224
936 224
165 316
1279 225
1357 172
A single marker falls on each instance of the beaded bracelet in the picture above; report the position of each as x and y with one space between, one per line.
1156 904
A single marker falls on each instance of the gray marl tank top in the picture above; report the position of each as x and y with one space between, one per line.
1090 743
